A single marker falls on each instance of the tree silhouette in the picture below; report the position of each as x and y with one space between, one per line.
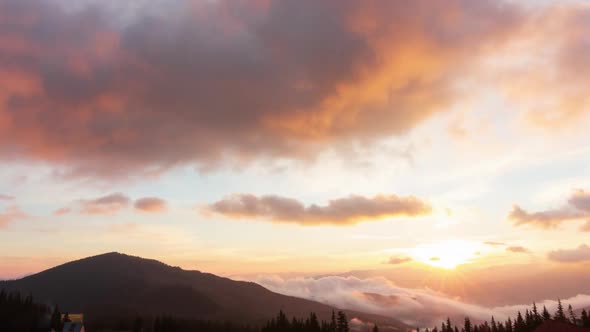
529 323
546 314
342 322
22 314
573 318
585 318
508 326
536 316
55 322
333 323
138 324
559 314
467 325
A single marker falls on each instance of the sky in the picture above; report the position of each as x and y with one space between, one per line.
266 139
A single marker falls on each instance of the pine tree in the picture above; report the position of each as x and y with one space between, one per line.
559 314
314 324
528 319
536 316
282 321
573 318
494 326
585 320
508 325
375 328
333 324
519 324
342 323
546 314
56 320
467 325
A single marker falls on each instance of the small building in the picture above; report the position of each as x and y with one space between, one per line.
75 323
555 326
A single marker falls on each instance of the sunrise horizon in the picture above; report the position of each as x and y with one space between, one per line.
413 160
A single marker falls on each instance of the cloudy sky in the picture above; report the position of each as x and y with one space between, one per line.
307 137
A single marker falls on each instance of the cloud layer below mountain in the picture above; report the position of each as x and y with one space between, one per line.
416 307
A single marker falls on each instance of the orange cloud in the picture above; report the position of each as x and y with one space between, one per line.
544 219
577 209
342 211
579 254
150 204
113 203
108 204
229 80
494 243
580 200
11 214
517 249
550 84
62 211
399 260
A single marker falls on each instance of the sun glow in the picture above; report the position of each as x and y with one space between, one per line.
447 255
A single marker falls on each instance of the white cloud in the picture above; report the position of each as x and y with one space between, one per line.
377 295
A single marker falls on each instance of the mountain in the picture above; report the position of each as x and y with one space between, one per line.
116 284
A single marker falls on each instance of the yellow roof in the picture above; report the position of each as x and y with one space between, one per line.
75 317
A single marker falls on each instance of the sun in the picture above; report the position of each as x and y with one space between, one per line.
447 254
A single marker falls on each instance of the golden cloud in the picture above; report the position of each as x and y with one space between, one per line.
343 211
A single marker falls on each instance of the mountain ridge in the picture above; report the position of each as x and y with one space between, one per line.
115 283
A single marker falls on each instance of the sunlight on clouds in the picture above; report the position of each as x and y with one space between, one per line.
447 254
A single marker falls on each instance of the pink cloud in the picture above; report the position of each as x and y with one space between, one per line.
10 214
108 204
6 197
576 209
62 211
150 204
399 260
517 249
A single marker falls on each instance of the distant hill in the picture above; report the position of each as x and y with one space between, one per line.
114 283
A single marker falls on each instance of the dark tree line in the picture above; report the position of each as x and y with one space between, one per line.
337 323
19 313
522 323
171 324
